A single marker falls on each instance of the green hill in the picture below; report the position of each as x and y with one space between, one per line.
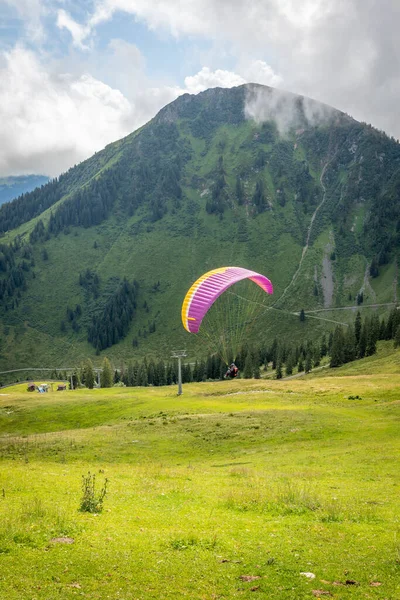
245 176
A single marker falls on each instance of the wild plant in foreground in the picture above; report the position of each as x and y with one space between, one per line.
89 502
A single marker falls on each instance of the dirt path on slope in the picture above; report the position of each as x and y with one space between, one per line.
305 249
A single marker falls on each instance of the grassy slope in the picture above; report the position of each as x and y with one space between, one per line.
385 362
261 478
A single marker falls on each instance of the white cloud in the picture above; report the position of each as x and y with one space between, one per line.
342 52
233 20
47 123
256 72
265 104
209 79
123 66
259 72
78 32
31 12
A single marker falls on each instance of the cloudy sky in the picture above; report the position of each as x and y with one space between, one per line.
78 74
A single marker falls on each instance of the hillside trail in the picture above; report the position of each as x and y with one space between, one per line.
350 307
310 227
305 249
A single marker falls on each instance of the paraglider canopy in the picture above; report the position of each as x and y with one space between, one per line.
205 291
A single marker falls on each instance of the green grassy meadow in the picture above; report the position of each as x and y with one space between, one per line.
232 490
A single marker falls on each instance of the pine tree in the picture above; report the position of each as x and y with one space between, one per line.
187 375
324 347
170 374
390 330
279 369
308 364
75 380
373 269
274 353
129 376
88 374
195 371
349 345
256 371
161 373
209 368
259 199
202 374
142 378
106 376
289 364
397 337
317 356
222 370
371 344
300 367
382 330
375 325
362 344
135 371
248 367
394 323
357 327
151 373
372 335
330 341
337 351
213 369
239 190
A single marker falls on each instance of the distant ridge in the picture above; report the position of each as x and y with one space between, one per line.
12 187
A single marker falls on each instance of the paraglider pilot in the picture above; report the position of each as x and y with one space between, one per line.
232 371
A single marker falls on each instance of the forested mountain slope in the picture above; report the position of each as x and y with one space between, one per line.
98 261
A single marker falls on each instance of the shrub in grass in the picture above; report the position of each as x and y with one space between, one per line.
89 501
191 541
332 512
183 543
34 509
296 499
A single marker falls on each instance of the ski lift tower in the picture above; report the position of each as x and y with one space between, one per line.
179 354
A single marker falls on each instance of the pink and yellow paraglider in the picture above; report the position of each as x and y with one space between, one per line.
205 291
222 306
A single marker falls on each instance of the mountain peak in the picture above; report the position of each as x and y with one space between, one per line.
254 101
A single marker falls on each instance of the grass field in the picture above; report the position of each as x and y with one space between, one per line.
231 491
